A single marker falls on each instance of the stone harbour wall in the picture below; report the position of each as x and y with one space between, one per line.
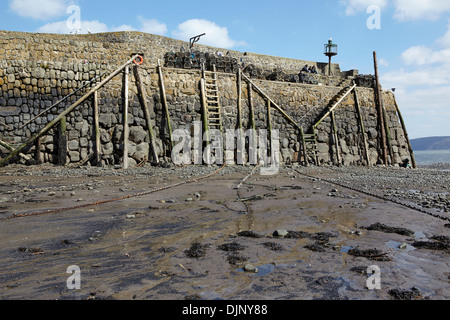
37 71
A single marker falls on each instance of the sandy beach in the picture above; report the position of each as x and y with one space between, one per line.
172 234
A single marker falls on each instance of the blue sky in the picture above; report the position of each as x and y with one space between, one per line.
412 37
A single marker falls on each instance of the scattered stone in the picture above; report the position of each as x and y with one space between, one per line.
250 268
280 233
403 246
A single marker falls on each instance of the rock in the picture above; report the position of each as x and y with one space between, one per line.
280 233
403 246
250 268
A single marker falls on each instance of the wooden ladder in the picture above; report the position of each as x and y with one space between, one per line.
311 152
212 100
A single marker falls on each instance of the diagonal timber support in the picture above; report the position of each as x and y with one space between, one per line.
17 151
335 106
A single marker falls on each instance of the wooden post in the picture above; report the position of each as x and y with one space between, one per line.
126 131
62 142
405 132
98 156
305 152
37 154
239 99
165 105
205 114
361 125
5 145
251 107
269 126
379 100
253 149
335 138
388 136
285 115
143 98
240 151
66 112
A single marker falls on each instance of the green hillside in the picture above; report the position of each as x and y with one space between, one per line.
431 143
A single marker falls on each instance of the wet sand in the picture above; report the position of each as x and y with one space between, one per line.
190 241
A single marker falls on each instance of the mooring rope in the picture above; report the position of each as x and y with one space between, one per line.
96 203
396 201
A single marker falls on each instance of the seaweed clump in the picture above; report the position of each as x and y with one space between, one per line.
384 228
234 246
371 254
196 250
399 294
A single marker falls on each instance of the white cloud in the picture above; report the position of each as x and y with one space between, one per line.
62 27
420 9
216 36
95 26
356 6
123 27
383 62
152 26
40 10
445 40
405 10
422 55
417 78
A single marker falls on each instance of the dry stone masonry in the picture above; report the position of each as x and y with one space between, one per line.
37 71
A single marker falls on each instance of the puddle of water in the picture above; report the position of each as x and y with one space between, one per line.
262 270
345 249
395 245
419 235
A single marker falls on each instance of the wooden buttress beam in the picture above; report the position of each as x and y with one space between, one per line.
66 112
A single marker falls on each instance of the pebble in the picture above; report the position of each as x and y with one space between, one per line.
280 233
250 268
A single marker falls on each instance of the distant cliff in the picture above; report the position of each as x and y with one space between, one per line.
431 143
